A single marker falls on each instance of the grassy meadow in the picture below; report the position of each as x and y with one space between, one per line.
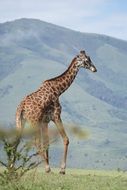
75 179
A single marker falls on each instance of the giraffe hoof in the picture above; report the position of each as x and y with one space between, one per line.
62 172
48 170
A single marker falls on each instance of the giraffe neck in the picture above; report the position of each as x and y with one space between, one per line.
63 81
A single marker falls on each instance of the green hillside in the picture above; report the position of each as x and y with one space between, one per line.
32 51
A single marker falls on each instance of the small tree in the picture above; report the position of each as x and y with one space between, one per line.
19 156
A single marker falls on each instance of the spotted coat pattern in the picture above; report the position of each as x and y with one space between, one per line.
43 106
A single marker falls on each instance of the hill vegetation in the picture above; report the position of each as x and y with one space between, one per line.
32 51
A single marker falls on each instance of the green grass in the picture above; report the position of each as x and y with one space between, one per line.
75 179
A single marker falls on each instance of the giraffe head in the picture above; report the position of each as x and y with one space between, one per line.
84 61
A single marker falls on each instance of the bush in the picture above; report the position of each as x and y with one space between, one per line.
18 157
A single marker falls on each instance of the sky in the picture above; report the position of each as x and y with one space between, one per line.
107 17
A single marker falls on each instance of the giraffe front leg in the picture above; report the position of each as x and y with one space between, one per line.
62 132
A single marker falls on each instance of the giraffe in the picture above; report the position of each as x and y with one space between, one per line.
43 106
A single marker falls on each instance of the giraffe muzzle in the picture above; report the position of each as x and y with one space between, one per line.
93 68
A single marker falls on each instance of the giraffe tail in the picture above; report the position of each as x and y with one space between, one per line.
19 118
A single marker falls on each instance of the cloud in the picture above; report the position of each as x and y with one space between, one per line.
97 16
53 9
113 25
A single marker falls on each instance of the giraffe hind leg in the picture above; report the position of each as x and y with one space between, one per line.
45 142
42 144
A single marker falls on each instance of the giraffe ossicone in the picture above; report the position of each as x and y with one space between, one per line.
43 106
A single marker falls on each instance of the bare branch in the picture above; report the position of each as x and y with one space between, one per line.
3 163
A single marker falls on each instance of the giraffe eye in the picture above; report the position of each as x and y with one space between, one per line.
87 64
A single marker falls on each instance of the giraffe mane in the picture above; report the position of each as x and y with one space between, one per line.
54 78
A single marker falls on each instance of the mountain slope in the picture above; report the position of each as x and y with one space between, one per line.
32 51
